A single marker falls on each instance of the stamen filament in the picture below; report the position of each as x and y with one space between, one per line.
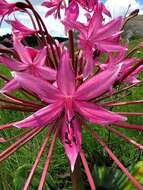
123 103
10 150
21 100
132 70
7 126
18 108
11 101
41 152
129 126
17 136
130 113
87 171
119 91
45 170
129 140
4 77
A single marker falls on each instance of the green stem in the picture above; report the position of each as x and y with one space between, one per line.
71 47
76 176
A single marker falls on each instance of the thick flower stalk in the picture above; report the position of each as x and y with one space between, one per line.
71 87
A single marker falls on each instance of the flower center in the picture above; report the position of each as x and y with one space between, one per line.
96 54
68 107
69 134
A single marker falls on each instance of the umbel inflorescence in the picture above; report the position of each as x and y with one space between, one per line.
71 84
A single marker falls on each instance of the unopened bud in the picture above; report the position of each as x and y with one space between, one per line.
21 5
135 12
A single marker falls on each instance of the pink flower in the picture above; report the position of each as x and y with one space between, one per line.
127 65
88 5
30 61
96 36
66 100
132 78
6 8
91 4
72 11
55 6
70 100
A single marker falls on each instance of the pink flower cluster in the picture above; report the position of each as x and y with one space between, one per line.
69 82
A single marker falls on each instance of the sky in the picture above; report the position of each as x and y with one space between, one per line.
121 7
116 7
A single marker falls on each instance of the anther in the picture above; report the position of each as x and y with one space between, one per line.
96 54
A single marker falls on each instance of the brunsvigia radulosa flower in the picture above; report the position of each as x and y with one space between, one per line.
71 86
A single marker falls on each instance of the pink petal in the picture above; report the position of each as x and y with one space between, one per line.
110 46
132 80
98 84
46 73
48 4
88 68
72 149
10 86
16 24
109 29
128 62
43 89
127 65
40 58
42 117
7 8
112 60
2 140
5 49
138 70
69 108
51 11
105 11
22 51
32 52
12 64
72 11
96 114
96 21
65 76
69 24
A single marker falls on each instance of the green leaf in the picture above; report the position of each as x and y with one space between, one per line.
112 178
137 172
21 175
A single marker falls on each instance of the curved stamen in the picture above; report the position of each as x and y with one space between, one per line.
130 71
17 136
4 77
123 103
7 126
130 113
129 140
20 100
45 170
18 108
18 144
41 152
129 126
87 171
119 91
